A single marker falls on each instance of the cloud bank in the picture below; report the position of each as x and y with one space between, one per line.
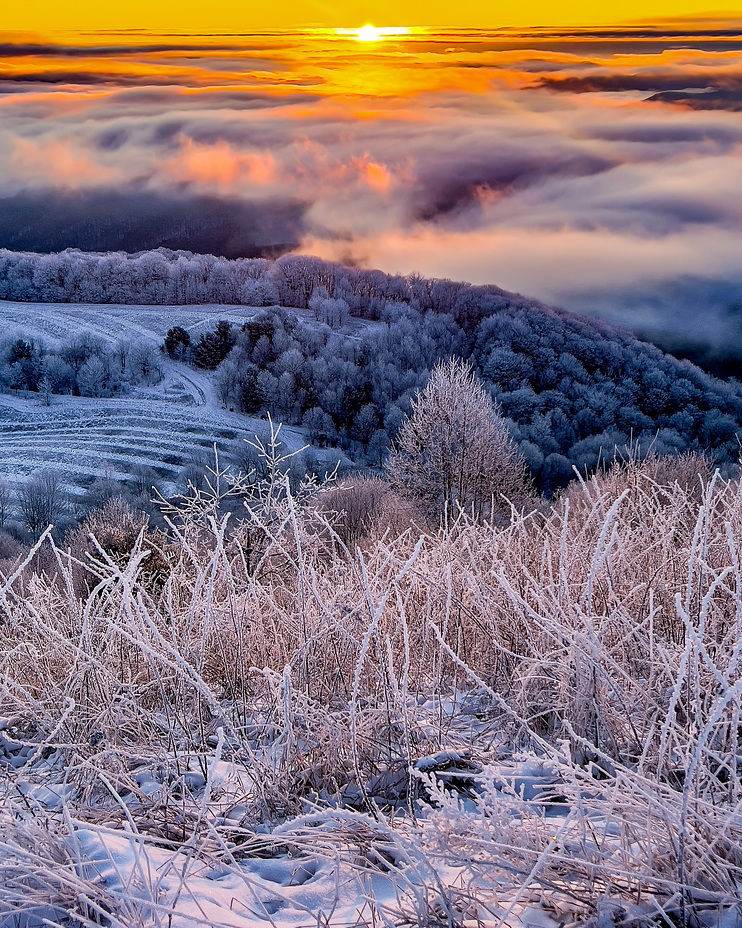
583 167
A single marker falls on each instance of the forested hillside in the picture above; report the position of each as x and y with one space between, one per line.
574 390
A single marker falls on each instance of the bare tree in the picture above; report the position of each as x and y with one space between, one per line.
455 451
144 480
144 363
40 500
122 353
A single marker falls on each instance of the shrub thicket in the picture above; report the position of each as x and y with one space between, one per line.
576 673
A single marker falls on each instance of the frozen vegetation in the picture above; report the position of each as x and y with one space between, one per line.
339 353
455 689
325 711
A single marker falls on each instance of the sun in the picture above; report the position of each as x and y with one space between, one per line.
369 34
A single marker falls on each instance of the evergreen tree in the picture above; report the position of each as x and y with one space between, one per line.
251 397
177 341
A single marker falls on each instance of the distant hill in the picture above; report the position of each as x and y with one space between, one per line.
575 390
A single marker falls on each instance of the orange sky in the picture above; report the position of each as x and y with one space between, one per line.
42 16
560 163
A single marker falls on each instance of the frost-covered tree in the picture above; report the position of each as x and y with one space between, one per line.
92 377
332 312
45 389
77 351
319 426
258 293
40 501
227 382
144 363
59 374
455 451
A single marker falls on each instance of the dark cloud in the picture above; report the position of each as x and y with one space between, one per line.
169 94
646 81
545 67
112 139
713 100
639 33
606 47
25 50
107 220
454 185
668 134
165 135
665 214
587 42
88 78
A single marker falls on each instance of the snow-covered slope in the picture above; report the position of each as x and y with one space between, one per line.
165 426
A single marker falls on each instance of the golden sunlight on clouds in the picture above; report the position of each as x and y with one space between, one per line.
217 165
70 164
369 34
376 175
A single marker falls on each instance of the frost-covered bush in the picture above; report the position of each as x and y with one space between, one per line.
113 532
543 713
361 510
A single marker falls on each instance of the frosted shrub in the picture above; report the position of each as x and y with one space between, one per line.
544 712
362 510
115 528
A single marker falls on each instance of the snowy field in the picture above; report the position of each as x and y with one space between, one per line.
111 323
89 438
164 427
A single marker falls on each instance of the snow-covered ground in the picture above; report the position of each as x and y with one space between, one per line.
114 322
165 427
89 438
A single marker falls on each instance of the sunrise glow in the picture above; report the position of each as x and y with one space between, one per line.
370 33
547 160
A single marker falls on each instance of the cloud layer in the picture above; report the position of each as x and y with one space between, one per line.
570 166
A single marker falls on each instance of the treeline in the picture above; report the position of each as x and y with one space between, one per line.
81 366
165 277
573 393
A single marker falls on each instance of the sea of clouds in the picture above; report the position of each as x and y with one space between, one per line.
601 170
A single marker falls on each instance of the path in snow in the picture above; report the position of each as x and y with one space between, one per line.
164 427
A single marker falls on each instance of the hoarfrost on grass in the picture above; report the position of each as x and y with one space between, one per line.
531 723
